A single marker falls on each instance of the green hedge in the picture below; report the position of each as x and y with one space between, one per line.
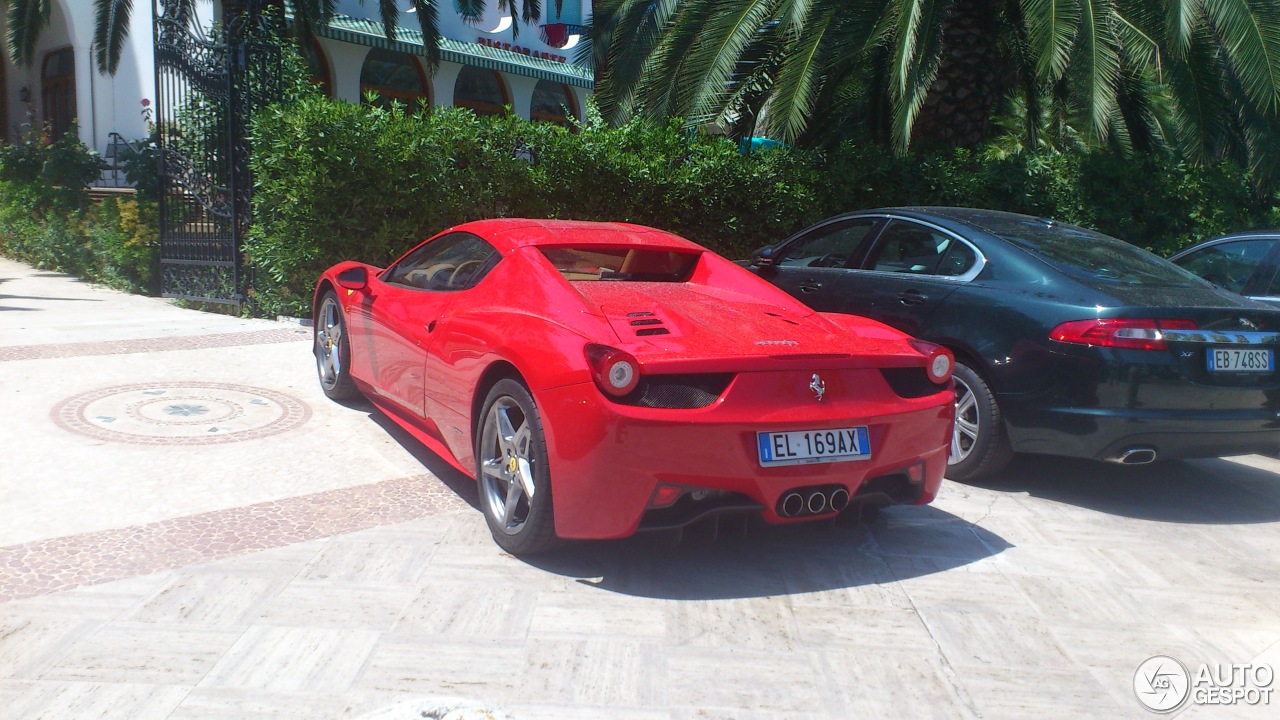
336 181
340 181
46 218
114 242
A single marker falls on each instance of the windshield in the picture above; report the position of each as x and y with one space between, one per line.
1089 255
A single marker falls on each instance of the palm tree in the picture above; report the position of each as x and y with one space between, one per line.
1201 74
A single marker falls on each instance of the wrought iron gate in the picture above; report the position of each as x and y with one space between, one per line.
207 88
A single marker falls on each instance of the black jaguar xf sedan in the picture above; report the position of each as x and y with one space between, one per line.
1067 341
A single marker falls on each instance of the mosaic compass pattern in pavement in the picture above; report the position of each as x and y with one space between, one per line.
180 413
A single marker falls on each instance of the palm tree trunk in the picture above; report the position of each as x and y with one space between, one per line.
972 78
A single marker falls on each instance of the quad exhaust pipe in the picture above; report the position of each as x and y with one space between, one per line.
813 501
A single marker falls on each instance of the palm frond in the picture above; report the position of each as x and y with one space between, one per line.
111 29
914 64
1136 112
470 10
1140 48
1202 111
733 26
389 14
1259 137
429 23
1052 27
1250 33
27 19
799 79
1097 60
531 11
1180 21
625 34
659 89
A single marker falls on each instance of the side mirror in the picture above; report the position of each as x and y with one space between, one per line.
764 257
356 278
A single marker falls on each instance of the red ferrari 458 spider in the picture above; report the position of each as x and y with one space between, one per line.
601 378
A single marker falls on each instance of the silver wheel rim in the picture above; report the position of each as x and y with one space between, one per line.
328 342
507 465
965 435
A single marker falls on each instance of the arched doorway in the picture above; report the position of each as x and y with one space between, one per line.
553 102
58 91
481 90
394 77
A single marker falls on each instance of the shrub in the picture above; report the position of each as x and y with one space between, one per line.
57 171
114 242
124 242
370 182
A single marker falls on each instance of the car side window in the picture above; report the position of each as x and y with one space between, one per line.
906 247
828 246
1229 265
447 264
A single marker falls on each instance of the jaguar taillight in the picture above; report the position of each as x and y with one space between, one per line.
1127 333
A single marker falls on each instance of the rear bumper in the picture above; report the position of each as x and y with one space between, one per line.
1105 434
607 459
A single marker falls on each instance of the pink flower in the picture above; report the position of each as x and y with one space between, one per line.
146 102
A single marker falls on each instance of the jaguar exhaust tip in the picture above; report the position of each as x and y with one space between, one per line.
1137 456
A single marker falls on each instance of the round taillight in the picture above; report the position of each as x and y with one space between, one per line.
621 375
939 362
940 367
615 371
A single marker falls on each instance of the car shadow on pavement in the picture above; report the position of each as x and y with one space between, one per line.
746 559
761 560
1209 491
464 486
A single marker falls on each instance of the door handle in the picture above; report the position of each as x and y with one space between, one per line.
809 286
431 326
912 297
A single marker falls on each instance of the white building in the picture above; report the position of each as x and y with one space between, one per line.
496 62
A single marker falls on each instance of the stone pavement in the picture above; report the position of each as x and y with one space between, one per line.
189 529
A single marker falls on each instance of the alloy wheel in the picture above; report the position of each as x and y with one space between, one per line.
329 333
507 465
965 435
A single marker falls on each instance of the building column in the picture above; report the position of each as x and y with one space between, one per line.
443 82
580 96
521 89
345 60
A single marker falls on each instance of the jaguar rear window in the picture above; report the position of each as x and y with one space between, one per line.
622 264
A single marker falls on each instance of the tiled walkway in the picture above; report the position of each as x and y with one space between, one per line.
314 562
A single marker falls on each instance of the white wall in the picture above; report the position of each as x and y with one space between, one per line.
345 61
104 103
